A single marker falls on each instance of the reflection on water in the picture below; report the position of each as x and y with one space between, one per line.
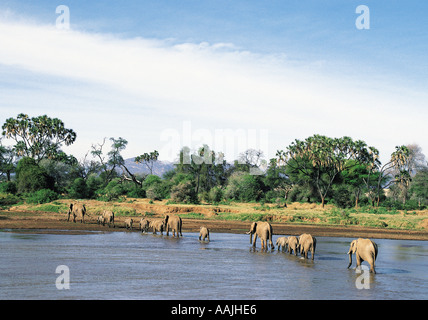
130 265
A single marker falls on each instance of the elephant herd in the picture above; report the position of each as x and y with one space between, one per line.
364 249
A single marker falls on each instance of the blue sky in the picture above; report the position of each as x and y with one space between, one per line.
163 74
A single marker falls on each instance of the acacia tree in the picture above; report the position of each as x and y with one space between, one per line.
148 159
38 137
323 158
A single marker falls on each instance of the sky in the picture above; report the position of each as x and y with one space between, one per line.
231 74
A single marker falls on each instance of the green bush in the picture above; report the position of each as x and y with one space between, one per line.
42 196
7 199
8 187
31 177
184 193
78 189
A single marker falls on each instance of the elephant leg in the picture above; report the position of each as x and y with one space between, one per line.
372 266
313 254
359 260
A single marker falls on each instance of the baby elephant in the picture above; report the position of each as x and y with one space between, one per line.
100 220
293 244
128 223
282 243
204 233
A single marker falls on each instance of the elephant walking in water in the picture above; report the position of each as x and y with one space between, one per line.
128 223
293 244
174 224
282 242
307 243
77 210
157 225
108 217
144 225
204 233
364 250
263 230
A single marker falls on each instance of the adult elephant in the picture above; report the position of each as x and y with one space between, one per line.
364 250
77 210
108 218
293 244
307 243
157 225
263 230
174 224
144 225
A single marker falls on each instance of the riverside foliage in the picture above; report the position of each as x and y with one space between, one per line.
319 169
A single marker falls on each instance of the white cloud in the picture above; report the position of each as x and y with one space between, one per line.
137 88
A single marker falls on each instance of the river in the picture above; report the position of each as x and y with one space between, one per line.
131 265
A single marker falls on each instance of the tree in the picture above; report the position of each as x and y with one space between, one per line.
31 177
354 178
206 167
396 170
148 159
419 187
7 161
277 180
324 158
113 160
38 137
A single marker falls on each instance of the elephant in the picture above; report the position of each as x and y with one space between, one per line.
365 250
108 217
263 230
307 243
157 225
100 220
77 209
204 233
282 242
144 225
128 223
293 244
174 223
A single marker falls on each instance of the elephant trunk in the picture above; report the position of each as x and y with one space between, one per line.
251 237
350 258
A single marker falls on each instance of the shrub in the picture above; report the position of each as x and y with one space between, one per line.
79 189
184 192
8 187
42 196
7 199
31 177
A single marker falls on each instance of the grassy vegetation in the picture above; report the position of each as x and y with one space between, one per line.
295 213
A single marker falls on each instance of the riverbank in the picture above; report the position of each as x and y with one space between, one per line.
235 218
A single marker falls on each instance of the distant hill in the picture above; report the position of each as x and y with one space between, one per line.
159 168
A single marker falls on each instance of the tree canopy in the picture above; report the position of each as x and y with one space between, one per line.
38 137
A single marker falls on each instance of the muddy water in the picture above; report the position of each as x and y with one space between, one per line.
129 265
